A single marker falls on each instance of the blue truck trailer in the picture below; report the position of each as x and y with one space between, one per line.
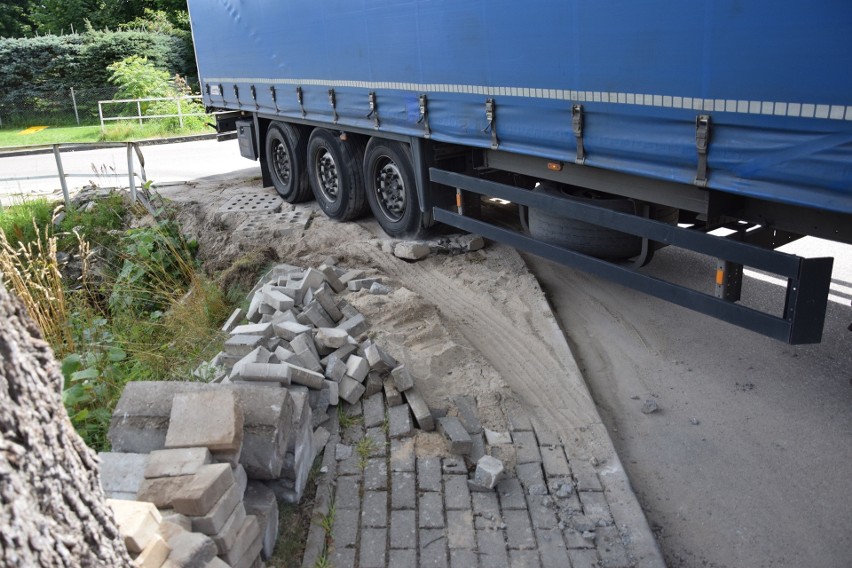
612 127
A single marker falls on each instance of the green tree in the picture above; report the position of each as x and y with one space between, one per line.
14 18
136 78
63 16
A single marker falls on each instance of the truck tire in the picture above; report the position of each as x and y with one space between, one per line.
391 189
336 177
587 238
286 150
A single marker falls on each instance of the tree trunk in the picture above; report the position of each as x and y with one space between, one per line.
53 511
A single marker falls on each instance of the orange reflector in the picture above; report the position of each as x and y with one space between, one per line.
720 276
458 199
343 136
554 166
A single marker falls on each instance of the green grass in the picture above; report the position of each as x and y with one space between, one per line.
118 132
16 221
59 135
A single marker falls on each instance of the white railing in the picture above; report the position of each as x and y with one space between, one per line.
139 116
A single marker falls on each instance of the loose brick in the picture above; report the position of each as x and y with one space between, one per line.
357 368
215 519
350 275
263 373
154 555
354 326
361 284
198 496
421 412
373 384
350 390
411 250
248 541
497 438
278 300
331 338
137 522
325 299
392 395
335 369
122 472
306 377
261 329
192 424
226 537
242 345
233 320
260 501
402 378
488 473
451 427
466 406
341 353
190 549
289 330
332 278
378 359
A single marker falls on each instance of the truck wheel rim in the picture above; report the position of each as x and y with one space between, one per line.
326 171
390 190
281 161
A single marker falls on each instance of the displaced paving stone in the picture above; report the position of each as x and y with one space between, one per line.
421 412
460 529
451 427
402 378
247 544
201 492
233 320
374 411
332 278
192 424
226 537
357 368
403 493
477 449
529 475
489 471
137 522
373 384
261 329
215 519
411 250
392 395
399 419
511 494
403 529
361 284
497 438
260 501
154 555
289 330
122 473
354 326
469 243
378 359
335 368
242 345
350 390
331 338
379 289
466 406
372 550
262 373
374 509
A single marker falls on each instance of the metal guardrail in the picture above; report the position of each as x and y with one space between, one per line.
140 117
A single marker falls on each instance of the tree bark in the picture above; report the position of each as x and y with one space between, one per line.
53 511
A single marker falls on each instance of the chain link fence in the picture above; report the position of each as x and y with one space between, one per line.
66 106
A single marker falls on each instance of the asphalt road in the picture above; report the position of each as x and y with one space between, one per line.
164 164
764 479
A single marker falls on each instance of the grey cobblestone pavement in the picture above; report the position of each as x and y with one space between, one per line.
388 503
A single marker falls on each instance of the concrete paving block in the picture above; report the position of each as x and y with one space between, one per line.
554 462
214 520
466 406
511 493
421 412
333 389
254 329
304 342
551 547
460 533
374 411
610 547
355 325
203 490
379 289
189 549
433 548
344 531
374 509
258 355
154 555
402 455
350 275
403 490
519 533
180 461
122 472
373 550
585 475
351 390
477 448
312 280
519 420
378 359
357 368
411 250
545 436
488 473
373 384
361 284
217 563
192 424
137 522
321 438
431 510
162 491
243 545
498 438
233 320
392 395
399 421
526 447
260 501
376 474
253 314
456 493
226 537
451 427
403 528
332 278
326 299
342 354
542 511
335 368
402 378
278 300
289 330
331 337
242 345
316 315
530 475
306 377
429 474
274 373
347 309
462 558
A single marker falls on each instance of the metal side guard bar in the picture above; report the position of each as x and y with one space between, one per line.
808 279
